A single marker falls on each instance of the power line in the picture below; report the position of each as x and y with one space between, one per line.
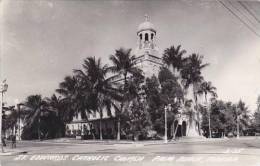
240 19
249 11
241 13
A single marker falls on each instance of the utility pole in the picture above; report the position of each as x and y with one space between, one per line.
1 114
237 126
3 89
210 136
17 106
39 130
213 100
165 124
237 123
19 122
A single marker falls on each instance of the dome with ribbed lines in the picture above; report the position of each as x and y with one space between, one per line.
146 25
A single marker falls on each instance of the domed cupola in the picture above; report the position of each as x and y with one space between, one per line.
146 35
147 51
146 25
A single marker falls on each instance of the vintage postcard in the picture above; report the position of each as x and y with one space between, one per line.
121 82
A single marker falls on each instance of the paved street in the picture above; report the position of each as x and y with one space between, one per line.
245 151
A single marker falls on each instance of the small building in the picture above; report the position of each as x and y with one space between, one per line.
90 128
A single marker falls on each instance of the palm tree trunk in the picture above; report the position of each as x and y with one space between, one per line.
196 109
118 128
100 130
118 122
100 125
39 132
121 109
210 136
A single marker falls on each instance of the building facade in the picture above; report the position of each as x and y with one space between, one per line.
89 128
149 60
147 53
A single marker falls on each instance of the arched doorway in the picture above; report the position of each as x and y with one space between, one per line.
183 128
177 129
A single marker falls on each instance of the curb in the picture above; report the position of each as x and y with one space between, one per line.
12 153
83 143
159 142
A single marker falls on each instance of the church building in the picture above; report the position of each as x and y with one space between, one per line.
149 60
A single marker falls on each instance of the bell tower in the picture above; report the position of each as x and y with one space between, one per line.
147 53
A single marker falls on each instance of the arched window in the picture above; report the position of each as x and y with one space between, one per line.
141 36
152 36
146 37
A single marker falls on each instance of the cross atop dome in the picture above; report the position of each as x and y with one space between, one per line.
146 17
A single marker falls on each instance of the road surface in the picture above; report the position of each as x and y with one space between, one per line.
245 151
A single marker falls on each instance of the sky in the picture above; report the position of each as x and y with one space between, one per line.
42 41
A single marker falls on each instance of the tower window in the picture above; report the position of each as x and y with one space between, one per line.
146 37
152 36
140 36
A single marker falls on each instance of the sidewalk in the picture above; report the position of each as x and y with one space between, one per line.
128 142
8 151
99 142
77 141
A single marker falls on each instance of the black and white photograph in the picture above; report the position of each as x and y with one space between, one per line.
130 82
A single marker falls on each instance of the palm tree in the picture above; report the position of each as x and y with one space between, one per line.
191 75
242 115
98 89
73 97
9 121
123 63
174 57
35 108
58 106
205 88
191 72
68 87
12 120
55 103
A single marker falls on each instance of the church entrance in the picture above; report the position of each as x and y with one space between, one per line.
177 129
180 130
183 128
